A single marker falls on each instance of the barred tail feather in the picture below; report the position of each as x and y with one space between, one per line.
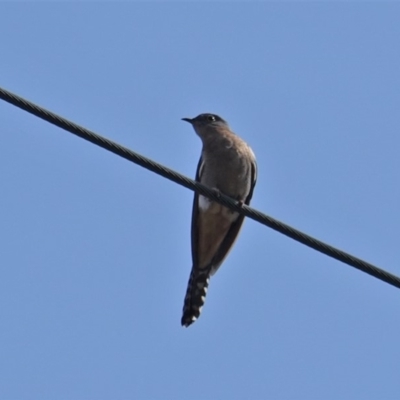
195 296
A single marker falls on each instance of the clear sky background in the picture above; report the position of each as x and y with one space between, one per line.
95 251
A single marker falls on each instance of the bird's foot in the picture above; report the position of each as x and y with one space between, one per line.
216 192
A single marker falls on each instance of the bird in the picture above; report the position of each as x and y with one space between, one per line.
228 165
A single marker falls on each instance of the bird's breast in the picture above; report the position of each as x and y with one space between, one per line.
229 172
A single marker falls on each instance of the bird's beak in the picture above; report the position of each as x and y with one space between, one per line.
190 120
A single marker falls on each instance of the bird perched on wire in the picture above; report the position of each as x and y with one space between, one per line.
228 165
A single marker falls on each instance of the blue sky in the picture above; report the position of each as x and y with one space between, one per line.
95 253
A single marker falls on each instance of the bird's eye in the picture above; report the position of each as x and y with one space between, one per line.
211 118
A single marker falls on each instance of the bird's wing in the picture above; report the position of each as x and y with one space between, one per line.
195 212
215 230
234 229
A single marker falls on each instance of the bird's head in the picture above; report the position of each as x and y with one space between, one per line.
206 120
205 124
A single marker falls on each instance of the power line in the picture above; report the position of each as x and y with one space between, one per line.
198 187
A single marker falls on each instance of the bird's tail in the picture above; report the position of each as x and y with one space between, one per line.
195 296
